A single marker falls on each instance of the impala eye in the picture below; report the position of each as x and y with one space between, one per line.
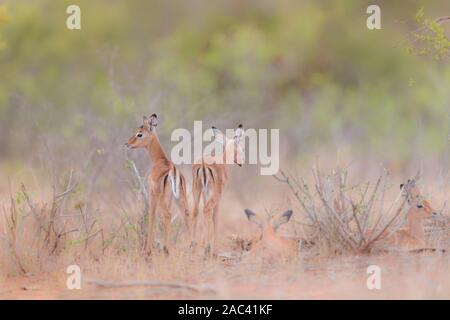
139 135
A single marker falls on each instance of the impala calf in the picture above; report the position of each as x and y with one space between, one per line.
209 179
412 235
270 242
166 183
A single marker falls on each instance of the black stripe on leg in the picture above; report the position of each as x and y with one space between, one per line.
165 181
211 172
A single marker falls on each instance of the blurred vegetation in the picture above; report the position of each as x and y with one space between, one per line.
310 68
431 36
3 19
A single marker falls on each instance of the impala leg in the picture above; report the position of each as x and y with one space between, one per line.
153 203
215 221
185 209
166 225
196 193
209 221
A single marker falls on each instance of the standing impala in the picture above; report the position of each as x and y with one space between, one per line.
165 181
209 179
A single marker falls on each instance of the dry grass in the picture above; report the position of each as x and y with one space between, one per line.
39 239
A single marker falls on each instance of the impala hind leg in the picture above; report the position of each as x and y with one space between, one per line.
153 204
184 208
196 193
209 215
215 224
166 225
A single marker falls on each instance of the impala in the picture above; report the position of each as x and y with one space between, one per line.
209 179
412 235
271 243
165 181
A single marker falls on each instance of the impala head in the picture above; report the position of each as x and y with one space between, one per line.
144 134
271 244
234 146
270 225
418 205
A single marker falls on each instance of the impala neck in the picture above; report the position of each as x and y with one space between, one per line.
155 151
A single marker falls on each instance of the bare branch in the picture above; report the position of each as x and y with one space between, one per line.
151 283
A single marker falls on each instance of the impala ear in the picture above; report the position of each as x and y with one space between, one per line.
252 217
153 120
146 122
239 134
218 135
280 219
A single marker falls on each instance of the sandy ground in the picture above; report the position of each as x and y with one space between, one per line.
403 276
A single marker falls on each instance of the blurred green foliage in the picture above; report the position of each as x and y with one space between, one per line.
431 36
3 19
310 68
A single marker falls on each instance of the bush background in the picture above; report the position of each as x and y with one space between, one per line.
310 68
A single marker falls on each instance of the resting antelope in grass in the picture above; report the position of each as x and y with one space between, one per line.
165 181
270 242
412 235
209 179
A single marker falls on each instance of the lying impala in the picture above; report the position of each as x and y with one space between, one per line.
270 243
412 235
165 181
209 179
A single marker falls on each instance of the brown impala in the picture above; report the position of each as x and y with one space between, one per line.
165 181
412 235
209 179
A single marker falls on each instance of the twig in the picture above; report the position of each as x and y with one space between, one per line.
399 210
150 283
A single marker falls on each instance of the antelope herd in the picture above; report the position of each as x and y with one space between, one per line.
167 185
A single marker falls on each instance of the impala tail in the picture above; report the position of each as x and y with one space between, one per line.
174 179
205 175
